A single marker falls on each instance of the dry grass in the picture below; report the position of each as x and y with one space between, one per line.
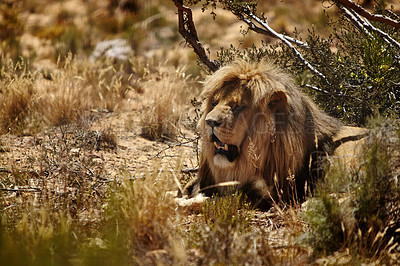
64 209
164 109
58 96
143 215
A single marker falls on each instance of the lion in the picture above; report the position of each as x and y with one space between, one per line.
262 135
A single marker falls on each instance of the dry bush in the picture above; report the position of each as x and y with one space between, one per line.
51 208
64 210
168 93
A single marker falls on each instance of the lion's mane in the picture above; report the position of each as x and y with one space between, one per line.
281 152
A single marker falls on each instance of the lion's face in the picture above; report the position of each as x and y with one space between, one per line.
232 120
225 124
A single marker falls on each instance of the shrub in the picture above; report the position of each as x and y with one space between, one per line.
358 79
51 208
360 210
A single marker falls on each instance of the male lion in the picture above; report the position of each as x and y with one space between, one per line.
261 132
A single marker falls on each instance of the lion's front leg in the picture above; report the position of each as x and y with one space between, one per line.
204 183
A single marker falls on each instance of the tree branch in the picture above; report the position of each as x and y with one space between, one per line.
287 43
361 11
20 189
188 30
259 30
358 22
362 25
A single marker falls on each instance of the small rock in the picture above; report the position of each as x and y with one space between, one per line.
117 49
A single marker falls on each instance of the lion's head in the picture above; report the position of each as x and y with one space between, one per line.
259 129
241 111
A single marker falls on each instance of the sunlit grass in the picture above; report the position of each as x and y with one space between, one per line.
33 99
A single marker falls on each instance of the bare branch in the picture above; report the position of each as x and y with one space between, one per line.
361 11
20 189
173 145
358 22
328 93
289 44
363 24
188 30
256 29
316 89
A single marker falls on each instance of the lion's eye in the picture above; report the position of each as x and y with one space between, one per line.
237 108
214 103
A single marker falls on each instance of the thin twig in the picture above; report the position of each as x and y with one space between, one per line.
364 25
4 170
190 170
222 184
359 23
329 93
173 145
317 89
389 40
177 181
20 189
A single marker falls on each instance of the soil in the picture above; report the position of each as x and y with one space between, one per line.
133 153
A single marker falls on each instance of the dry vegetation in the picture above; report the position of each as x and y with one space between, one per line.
91 149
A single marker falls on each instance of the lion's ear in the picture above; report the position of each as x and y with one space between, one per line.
278 102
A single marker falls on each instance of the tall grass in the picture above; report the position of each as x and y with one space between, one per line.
167 93
141 215
57 96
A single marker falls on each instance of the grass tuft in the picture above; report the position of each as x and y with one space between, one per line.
224 234
141 217
168 90
31 100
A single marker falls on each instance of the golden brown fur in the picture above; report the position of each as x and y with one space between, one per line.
260 130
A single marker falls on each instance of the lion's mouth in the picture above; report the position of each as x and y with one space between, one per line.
231 152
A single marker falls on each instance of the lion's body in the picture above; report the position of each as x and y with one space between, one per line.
260 130
348 143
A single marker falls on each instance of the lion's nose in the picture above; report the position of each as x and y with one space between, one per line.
213 123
